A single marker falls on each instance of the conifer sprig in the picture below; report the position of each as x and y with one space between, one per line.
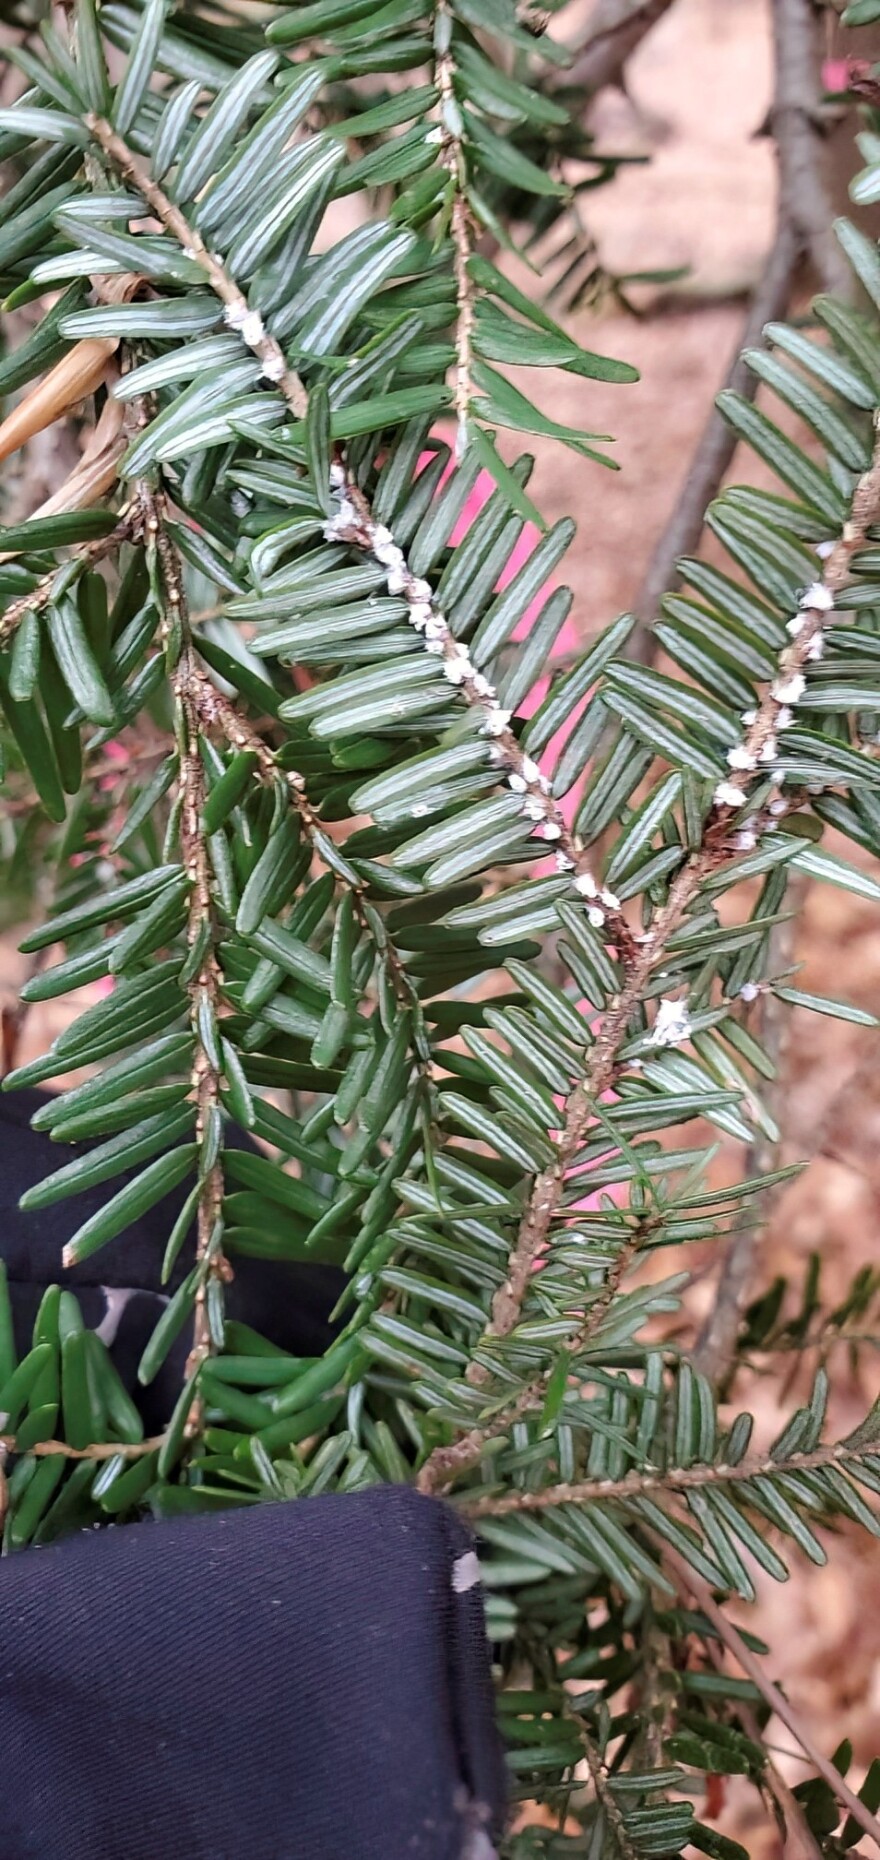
354 818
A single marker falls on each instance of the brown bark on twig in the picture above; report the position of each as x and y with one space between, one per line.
205 988
453 159
87 555
97 1450
637 1484
603 1793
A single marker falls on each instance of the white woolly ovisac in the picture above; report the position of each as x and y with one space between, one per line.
672 1024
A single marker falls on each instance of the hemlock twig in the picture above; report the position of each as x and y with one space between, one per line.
86 555
604 1794
354 523
800 1843
720 842
213 707
239 315
205 985
634 1485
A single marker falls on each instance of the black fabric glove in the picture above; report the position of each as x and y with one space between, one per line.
295 1682
301 1681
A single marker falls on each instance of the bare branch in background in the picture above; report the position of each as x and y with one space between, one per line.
803 231
616 28
796 127
800 1842
691 1584
716 445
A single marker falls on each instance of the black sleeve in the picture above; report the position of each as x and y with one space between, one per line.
301 1681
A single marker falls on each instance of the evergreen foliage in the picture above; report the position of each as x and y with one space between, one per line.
324 902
